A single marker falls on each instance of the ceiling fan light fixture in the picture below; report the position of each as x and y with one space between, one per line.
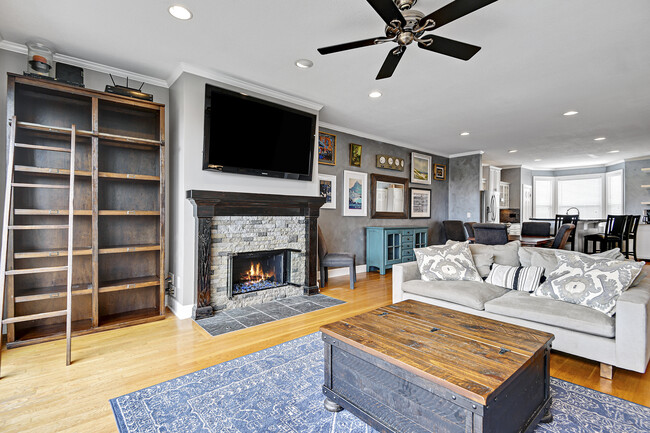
180 12
375 94
570 113
304 63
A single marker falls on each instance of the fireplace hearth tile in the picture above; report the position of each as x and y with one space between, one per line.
295 300
323 300
277 310
255 319
240 312
220 326
306 307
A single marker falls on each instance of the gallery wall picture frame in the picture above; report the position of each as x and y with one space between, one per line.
420 203
440 172
355 193
390 162
327 187
355 155
326 148
420 168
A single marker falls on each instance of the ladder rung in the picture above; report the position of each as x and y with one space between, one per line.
39 185
37 270
36 316
41 227
37 147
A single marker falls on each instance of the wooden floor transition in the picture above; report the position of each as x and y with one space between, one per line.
38 393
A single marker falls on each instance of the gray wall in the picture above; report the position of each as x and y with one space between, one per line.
513 177
634 194
526 176
347 234
464 188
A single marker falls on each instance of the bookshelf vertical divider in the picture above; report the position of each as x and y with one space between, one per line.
119 208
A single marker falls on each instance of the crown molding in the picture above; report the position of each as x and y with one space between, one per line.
471 152
351 131
240 84
87 64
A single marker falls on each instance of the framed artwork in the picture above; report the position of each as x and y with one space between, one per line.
440 172
355 193
420 203
327 184
326 148
390 162
355 155
420 168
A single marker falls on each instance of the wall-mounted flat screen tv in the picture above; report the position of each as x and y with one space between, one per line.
248 135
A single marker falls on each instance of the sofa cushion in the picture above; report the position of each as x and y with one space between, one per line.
449 262
472 294
503 254
551 312
588 281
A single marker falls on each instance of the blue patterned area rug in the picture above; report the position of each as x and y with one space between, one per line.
279 390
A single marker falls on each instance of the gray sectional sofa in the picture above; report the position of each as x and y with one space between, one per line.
622 340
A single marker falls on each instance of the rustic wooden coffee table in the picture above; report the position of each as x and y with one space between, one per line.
414 367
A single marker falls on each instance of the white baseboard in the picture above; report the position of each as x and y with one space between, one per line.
181 311
339 272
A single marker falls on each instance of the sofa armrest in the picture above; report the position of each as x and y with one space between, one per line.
633 327
403 272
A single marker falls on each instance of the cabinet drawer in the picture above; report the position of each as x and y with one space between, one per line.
406 259
407 238
407 252
408 244
408 232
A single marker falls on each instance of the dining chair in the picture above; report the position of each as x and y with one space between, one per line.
536 228
454 230
327 260
613 235
560 220
631 229
490 234
562 236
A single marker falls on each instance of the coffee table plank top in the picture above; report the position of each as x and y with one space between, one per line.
462 352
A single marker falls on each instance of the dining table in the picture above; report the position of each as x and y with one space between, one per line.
528 241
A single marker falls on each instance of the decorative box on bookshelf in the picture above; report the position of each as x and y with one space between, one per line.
119 209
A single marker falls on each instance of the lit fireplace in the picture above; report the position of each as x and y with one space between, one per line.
259 270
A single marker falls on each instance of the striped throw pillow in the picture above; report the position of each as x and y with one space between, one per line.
524 278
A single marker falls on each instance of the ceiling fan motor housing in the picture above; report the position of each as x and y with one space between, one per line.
405 4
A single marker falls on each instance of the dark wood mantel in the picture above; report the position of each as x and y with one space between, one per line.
208 204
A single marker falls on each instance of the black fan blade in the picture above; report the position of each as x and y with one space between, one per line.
455 10
449 47
391 62
349 45
387 11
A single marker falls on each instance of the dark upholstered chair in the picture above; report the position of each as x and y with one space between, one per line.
613 235
536 228
454 230
631 228
562 236
560 220
469 227
490 234
334 260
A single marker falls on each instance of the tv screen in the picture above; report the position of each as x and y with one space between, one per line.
247 135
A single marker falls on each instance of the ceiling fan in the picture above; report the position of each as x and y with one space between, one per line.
405 25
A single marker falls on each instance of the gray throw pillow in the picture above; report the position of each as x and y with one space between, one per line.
450 262
592 282
483 263
507 254
546 258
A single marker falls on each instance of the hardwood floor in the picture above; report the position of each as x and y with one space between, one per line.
38 393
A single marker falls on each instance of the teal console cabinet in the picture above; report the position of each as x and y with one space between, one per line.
386 246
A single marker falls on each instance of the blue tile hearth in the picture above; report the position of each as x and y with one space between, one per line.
240 318
279 390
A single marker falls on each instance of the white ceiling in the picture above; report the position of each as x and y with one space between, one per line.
539 59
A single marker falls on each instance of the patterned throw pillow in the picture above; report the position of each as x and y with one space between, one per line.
594 283
450 262
524 278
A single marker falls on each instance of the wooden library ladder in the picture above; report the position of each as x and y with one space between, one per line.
7 226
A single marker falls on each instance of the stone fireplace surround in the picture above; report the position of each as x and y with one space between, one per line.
255 209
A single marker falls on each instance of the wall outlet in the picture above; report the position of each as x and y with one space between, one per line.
469 215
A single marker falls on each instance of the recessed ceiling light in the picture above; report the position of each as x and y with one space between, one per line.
464 133
374 94
180 12
600 138
304 63
570 113
591 155
512 151
613 151
538 159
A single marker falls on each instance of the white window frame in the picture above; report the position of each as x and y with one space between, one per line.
603 192
619 172
553 192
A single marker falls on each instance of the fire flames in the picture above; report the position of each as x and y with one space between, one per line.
256 274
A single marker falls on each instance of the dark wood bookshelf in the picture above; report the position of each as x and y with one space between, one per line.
119 210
